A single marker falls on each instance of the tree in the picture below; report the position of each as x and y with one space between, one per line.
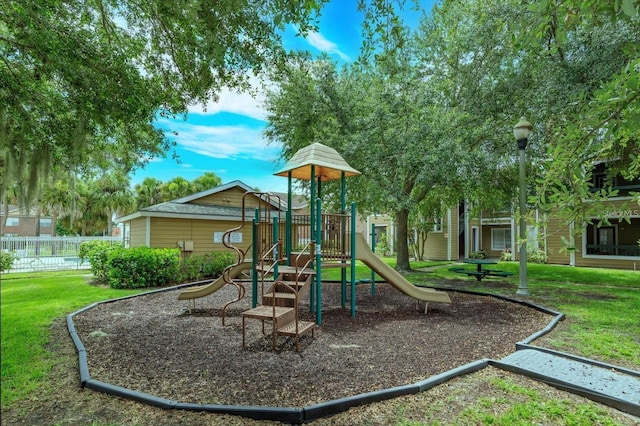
418 118
594 48
148 192
177 187
112 196
382 121
206 181
81 82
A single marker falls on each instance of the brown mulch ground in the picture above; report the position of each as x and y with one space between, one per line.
149 344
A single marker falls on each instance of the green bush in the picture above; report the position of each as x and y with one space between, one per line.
191 268
506 256
382 246
98 253
6 260
538 256
479 254
143 267
214 263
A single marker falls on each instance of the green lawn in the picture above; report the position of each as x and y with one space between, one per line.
602 308
30 302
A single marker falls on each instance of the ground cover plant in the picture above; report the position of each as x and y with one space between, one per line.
33 376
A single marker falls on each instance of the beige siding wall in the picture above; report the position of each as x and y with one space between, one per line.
436 247
230 197
137 232
556 238
557 235
166 232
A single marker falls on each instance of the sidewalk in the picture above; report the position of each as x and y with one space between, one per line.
613 386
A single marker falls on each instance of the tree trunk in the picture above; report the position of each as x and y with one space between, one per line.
402 256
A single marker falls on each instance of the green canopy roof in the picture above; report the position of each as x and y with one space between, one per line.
329 165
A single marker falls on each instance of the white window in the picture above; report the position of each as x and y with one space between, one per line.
437 224
45 223
13 221
500 239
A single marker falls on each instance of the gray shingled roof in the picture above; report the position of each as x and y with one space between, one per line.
329 165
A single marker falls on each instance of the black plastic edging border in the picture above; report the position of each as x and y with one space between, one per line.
617 403
283 414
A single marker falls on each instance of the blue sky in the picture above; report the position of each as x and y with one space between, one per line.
226 137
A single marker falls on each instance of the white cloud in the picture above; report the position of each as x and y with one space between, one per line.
241 103
234 102
318 41
223 141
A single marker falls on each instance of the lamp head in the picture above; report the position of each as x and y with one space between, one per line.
521 131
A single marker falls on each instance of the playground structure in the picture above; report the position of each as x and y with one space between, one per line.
286 270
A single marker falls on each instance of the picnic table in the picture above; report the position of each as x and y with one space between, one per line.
480 271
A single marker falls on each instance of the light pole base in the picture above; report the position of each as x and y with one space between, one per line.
523 292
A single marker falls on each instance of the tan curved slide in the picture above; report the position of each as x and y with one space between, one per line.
217 284
390 275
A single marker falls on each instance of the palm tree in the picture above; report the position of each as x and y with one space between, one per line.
177 187
148 193
111 195
206 181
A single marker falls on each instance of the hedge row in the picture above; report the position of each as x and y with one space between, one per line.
144 267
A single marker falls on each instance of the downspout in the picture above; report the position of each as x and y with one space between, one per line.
572 245
449 236
147 236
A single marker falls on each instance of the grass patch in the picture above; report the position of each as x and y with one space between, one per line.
30 303
513 404
602 307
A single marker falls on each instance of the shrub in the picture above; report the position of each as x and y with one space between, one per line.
143 267
6 260
506 256
98 252
479 254
191 268
382 246
538 256
214 263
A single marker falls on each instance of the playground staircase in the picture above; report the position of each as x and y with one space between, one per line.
280 305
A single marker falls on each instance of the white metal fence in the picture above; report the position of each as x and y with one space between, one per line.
48 253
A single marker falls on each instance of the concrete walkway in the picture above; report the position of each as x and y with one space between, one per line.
611 385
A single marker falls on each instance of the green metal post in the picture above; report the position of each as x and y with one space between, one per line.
343 211
318 263
312 225
373 249
288 226
254 261
276 253
353 260
312 201
523 289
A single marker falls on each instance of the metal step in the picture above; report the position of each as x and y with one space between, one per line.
304 327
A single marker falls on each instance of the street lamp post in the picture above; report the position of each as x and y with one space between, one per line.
521 131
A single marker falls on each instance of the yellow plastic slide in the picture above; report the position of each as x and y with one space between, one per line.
390 275
207 289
